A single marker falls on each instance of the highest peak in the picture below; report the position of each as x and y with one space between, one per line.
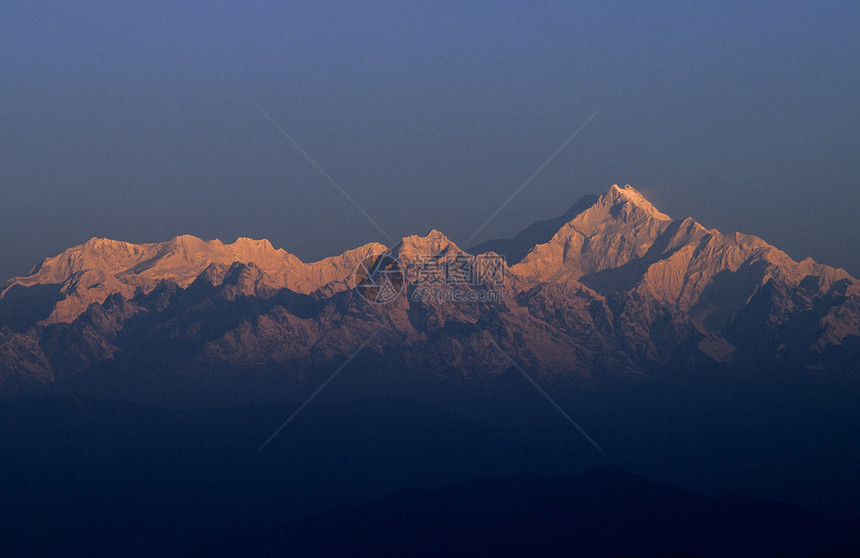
627 191
615 188
620 226
627 194
617 210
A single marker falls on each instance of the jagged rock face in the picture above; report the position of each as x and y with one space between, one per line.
91 272
619 290
627 251
621 226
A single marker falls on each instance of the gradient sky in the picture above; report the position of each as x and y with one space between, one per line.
141 121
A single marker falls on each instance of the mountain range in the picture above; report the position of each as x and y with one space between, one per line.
613 290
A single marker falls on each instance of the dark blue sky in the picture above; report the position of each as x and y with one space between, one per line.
141 121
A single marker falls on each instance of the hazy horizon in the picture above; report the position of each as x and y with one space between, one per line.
141 123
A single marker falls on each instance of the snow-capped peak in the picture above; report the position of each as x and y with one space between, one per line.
628 194
620 226
101 267
414 247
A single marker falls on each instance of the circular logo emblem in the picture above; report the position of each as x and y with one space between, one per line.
378 278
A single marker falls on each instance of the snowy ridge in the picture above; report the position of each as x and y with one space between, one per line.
92 271
619 289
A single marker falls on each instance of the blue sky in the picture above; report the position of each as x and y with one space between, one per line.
142 121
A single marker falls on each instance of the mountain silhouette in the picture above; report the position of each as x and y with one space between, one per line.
612 291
